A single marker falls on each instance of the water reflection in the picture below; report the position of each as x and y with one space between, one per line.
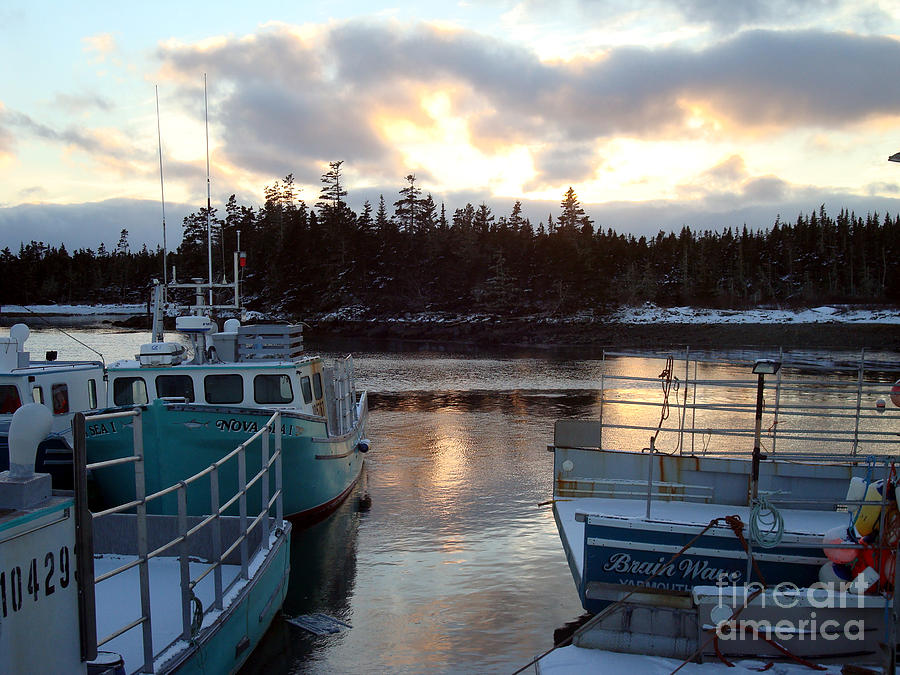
323 576
559 402
456 568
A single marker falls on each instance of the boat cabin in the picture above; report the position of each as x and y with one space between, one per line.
249 366
293 385
65 387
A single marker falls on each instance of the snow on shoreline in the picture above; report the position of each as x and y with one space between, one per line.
646 313
649 313
826 314
74 310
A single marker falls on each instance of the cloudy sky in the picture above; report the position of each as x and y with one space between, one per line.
659 113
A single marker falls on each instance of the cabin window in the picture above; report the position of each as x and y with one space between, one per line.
129 391
9 398
37 394
175 386
272 389
59 394
224 388
92 394
307 390
317 385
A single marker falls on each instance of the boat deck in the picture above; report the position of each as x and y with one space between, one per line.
119 603
796 521
577 660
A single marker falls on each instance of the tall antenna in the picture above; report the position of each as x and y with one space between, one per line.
162 191
208 199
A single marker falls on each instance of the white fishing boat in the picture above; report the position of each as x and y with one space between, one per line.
63 387
123 591
668 546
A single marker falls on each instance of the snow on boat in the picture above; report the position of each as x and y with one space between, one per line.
131 591
655 540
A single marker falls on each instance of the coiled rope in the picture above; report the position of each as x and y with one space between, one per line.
766 524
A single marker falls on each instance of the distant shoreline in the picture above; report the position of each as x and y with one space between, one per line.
657 328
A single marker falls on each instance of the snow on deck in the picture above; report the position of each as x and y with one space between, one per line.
796 521
577 660
119 603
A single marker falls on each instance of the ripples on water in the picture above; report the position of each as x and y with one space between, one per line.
455 568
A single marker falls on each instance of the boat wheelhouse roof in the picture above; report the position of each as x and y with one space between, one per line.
256 364
51 367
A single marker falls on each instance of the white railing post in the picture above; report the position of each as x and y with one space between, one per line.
264 468
242 509
777 401
184 563
279 513
215 504
353 390
650 474
140 492
687 374
859 384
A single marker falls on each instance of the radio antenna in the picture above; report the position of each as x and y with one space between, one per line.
208 199
162 191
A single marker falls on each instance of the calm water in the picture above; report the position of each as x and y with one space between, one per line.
455 567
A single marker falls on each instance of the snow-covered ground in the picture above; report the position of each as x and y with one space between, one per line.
646 313
75 310
650 313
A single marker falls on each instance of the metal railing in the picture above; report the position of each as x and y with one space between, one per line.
839 411
271 467
345 409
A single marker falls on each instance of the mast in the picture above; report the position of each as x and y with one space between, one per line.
162 191
208 199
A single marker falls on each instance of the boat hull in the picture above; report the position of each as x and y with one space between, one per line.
181 440
620 558
224 648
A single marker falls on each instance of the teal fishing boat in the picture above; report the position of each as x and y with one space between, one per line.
198 406
121 590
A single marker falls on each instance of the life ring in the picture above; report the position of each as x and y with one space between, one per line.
840 536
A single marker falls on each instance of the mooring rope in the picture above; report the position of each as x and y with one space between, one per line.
766 524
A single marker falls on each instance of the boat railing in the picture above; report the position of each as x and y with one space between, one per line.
188 529
842 412
345 411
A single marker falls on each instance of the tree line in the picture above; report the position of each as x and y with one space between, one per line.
414 255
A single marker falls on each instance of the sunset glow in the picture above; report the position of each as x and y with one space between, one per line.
692 109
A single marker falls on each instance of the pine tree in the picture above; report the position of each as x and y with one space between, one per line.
407 209
572 216
332 193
